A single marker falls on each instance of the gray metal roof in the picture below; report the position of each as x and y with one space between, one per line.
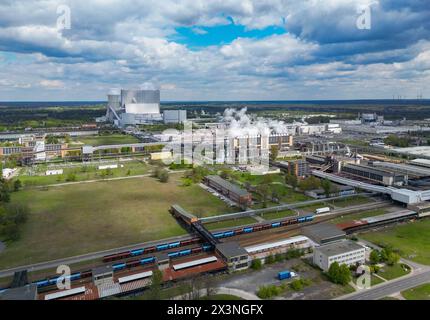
28 292
231 249
339 247
228 185
101 270
322 232
372 170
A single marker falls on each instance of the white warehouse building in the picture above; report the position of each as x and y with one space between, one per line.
343 252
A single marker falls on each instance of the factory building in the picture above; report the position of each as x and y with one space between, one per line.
343 252
337 190
323 233
380 176
318 160
234 255
299 168
264 250
132 107
230 190
174 116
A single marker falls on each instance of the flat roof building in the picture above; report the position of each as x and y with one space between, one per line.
232 191
323 233
233 254
27 292
343 252
384 177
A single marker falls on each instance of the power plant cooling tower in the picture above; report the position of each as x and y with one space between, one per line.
141 101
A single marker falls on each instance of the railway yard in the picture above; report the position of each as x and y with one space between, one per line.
118 233
132 270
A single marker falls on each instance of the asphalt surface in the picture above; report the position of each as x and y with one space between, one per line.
391 287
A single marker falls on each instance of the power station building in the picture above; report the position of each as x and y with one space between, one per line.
132 107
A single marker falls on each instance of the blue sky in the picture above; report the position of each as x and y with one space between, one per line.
215 50
197 37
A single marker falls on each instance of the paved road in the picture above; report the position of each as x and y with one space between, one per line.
107 179
388 288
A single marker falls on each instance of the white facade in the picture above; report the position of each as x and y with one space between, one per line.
343 252
264 250
39 150
8 172
53 172
108 166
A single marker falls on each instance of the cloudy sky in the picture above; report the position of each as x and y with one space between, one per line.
215 49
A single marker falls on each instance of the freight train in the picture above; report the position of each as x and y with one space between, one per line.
263 226
381 220
160 247
126 265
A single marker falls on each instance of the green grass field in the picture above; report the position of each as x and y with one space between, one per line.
72 220
375 280
412 239
395 271
350 201
418 293
83 173
106 139
358 216
230 223
277 215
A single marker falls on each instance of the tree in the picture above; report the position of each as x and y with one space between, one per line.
339 274
393 258
155 288
17 185
224 174
326 185
292 180
274 152
263 189
374 257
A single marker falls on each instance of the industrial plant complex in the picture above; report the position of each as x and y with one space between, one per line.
288 192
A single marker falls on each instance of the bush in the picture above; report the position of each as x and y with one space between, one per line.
163 176
17 212
71 177
279 257
9 230
256 264
299 284
267 292
270 259
17 185
186 182
294 253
